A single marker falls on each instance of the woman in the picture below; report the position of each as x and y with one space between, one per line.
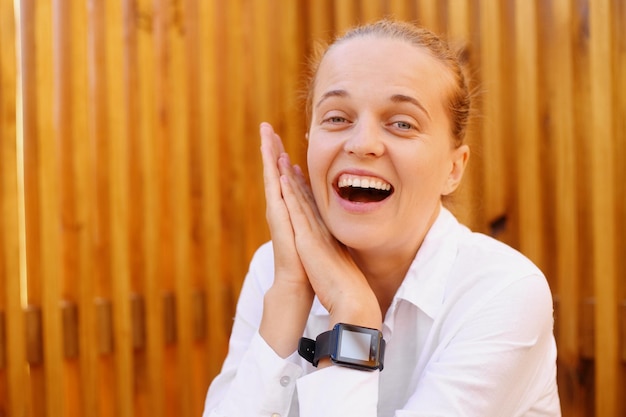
371 299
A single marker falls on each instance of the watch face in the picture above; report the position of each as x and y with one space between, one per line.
356 346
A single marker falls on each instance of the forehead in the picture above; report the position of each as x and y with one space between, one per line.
383 65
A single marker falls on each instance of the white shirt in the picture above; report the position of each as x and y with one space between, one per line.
469 333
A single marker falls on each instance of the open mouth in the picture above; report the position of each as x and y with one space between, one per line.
359 189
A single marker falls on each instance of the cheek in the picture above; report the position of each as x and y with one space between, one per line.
318 168
424 174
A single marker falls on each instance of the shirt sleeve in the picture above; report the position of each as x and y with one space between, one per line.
263 385
337 391
495 362
254 380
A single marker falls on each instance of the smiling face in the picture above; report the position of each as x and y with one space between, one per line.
380 152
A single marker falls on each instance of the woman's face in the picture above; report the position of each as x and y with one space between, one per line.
380 153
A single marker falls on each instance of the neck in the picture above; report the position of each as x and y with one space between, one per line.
384 272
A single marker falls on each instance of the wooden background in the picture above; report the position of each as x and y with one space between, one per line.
131 193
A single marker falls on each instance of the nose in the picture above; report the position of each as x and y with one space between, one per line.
365 140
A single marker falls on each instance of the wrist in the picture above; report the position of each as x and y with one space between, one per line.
301 290
285 312
358 311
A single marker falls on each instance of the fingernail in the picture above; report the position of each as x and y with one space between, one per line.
265 125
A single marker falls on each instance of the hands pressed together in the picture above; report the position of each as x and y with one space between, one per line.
308 260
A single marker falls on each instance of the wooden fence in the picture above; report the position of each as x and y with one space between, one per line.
131 192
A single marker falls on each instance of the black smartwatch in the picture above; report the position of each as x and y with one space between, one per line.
346 345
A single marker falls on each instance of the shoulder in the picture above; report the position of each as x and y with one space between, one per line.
482 257
486 270
490 275
475 257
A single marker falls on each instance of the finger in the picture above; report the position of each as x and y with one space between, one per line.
285 167
300 187
272 139
305 188
270 154
299 213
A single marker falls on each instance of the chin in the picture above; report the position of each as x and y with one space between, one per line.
359 236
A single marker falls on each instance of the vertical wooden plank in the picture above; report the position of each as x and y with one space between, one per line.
136 19
136 206
141 195
264 84
458 20
118 205
193 246
557 53
100 360
167 21
80 287
70 74
31 156
464 203
132 21
603 210
14 376
219 320
180 76
428 15
150 139
528 135
50 100
400 9
223 169
371 10
320 21
268 100
582 132
619 78
233 163
491 151
345 13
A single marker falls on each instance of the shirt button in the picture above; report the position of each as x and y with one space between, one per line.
284 381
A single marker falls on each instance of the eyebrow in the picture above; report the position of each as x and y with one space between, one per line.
401 98
332 93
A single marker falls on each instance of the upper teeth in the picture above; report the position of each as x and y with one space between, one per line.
363 182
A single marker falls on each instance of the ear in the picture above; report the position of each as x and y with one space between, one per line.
460 156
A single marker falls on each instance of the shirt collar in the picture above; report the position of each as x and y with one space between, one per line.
425 282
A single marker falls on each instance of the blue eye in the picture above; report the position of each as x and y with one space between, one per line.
336 119
403 125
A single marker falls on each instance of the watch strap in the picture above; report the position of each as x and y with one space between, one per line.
306 349
314 350
322 347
